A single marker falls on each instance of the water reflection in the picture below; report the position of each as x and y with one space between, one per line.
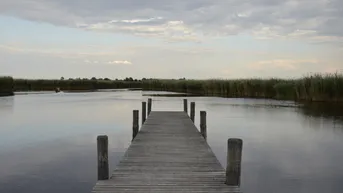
318 115
50 139
66 165
6 105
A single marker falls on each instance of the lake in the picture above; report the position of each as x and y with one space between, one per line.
48 140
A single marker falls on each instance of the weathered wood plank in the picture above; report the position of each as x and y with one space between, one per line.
168 154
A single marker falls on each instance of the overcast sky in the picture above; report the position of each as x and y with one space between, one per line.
170 39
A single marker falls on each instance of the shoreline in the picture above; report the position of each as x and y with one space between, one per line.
6 94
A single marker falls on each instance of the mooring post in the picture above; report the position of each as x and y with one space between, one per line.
149 105
143 112
185 105
203 125
234 159
192 111
135 124
103 169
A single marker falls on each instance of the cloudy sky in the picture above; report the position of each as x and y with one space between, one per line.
170 39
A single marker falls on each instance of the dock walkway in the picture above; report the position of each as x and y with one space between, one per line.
168 154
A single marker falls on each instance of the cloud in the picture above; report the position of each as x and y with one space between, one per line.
333 70
169 30
91 61
317 21
285 64
116 62
136 20
123 62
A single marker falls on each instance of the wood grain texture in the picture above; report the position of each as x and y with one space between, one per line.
168 155
185 105
143 112
192 113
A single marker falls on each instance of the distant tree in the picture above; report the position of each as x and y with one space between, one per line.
143 79
116 79
135 80
107 79
70 79
93 78
62 78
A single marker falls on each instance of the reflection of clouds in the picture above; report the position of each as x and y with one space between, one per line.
29 159
283 151
280 152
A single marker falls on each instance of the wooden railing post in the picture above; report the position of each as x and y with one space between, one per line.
103 169
149 105
135 124
143 112
203 125
193 111
234 159
185 105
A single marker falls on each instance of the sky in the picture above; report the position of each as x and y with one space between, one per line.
197 39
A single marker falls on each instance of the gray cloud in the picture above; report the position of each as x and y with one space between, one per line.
311 20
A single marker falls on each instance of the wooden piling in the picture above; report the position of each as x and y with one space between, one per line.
143 112
193 111
149 105
203 125
135 124
234 159
185 105
103 169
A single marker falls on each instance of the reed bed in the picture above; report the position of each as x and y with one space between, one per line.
72 85
6 86
317 87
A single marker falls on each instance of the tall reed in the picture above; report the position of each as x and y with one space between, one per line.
318 87
75 84
6 86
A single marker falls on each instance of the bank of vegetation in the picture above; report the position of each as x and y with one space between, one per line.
327 88
6 86
73 84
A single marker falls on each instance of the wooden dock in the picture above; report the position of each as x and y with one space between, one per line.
168 154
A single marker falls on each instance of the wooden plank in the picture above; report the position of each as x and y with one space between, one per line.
168 154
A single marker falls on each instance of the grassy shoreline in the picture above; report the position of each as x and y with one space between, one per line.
314 88
6 86
72 85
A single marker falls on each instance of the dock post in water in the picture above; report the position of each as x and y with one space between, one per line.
135 124
143 112
203 125
192 111
185 105
103 169
149 105
234 159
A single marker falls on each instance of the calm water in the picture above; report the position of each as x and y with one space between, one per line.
48 141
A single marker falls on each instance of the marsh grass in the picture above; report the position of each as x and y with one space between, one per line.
6 86
317 87
72 85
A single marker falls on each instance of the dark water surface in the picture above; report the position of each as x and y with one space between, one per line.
48 141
